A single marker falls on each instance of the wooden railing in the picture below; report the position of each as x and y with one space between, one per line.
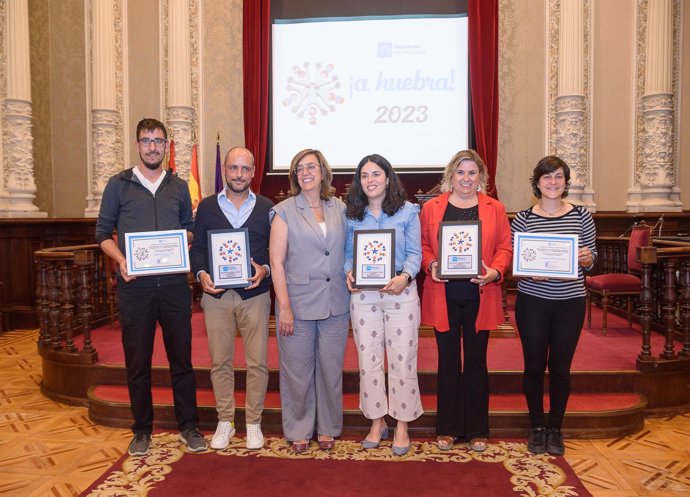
71 296
664 302
665 298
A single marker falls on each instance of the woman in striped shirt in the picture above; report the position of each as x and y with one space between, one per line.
550 313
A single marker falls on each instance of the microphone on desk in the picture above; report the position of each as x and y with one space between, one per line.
659 223
628 230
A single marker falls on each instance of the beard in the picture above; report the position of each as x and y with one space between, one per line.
234 189
151 165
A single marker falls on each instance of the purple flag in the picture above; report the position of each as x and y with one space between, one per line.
219 175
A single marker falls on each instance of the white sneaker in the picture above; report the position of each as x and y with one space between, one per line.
224 432
255 439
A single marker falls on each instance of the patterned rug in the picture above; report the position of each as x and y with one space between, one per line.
504 469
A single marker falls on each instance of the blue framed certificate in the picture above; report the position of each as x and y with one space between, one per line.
156 252
373 258
459 249
545 255
228 257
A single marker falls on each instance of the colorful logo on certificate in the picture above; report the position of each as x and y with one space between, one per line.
230 251
461 242
374 251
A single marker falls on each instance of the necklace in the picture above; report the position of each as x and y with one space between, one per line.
553 213
315 206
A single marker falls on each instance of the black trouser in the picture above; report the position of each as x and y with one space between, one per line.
549 331
140 310
462 393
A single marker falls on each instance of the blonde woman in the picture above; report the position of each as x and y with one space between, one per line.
463 311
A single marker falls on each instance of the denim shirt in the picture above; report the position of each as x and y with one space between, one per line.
408 236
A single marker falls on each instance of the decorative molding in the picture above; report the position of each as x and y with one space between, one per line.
569 121
3 92
183 121
17 185
656 140
17 143
106 126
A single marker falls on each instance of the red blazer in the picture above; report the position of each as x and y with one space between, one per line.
497 252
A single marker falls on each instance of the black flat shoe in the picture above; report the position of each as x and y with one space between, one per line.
554 442
536 443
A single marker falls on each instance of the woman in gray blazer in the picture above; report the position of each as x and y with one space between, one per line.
312 315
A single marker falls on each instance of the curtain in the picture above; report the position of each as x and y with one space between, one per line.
256 25
483 53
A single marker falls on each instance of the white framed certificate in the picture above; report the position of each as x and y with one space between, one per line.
229 258
374 258
156 252
545 255
460 249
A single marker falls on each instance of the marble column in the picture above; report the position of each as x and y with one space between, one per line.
572 134
656 174
180 114
106 120
17 185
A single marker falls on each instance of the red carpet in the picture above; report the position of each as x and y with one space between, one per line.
615 352
504 402
505 469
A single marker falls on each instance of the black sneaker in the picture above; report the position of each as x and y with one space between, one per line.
554 442
139 446
195 441
536 443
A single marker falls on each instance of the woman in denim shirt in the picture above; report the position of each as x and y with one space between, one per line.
386 321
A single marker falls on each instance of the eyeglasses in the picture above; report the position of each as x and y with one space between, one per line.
148 141
310 167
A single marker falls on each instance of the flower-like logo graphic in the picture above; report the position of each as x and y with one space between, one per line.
313 92
529 254
461 242
141 253
374 251
230 251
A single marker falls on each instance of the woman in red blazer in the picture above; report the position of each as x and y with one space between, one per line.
463 308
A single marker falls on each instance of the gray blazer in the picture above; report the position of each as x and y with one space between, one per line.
314 263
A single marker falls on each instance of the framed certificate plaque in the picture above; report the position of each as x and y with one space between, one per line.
374 258
156 252
546 255
460 249
229 258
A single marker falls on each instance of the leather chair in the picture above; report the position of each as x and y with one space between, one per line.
626 285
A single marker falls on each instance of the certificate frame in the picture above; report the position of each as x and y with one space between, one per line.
156 252
229 258
459 249
373 258
545 255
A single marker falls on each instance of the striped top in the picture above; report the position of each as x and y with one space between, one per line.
577 221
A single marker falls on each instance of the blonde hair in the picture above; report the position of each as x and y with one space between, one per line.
326 173
461 156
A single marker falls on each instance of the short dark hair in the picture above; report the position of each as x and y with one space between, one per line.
357 200
548 165
150 124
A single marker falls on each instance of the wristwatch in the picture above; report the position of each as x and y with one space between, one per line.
407 275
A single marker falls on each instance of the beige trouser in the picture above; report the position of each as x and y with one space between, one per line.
223 317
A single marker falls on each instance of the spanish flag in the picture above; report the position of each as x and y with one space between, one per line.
171 156
194 185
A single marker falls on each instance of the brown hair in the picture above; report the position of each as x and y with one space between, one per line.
326 173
